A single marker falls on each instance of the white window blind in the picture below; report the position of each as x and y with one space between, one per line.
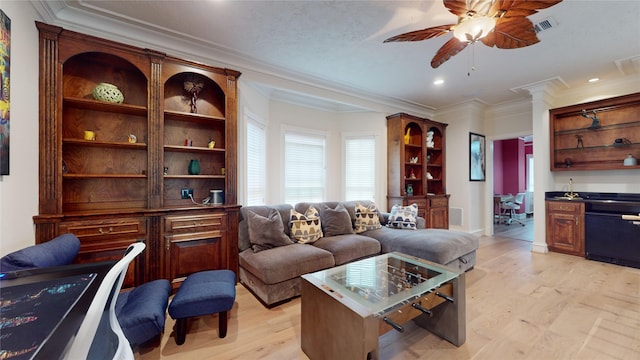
256 157
360 168
304 167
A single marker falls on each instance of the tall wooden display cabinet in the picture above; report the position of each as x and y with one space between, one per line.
114 171
416 167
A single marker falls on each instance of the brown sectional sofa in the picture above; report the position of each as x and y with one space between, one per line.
273 275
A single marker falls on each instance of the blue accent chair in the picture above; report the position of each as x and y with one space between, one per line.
62 250
203 293
141 312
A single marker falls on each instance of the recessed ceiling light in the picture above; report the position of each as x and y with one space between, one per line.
438 82
592 80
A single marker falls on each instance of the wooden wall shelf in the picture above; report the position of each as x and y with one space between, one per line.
577 146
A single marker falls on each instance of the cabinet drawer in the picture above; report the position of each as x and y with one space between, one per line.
194 223
105 229
438 202
561 206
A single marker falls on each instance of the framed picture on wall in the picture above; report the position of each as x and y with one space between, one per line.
477 170
5 64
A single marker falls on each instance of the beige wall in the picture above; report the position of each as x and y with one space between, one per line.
19 190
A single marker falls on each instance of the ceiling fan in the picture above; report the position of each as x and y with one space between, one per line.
500 23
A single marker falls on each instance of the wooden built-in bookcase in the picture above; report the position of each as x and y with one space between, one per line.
416 164
114 190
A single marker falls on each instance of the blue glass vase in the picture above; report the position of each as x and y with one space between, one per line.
194 167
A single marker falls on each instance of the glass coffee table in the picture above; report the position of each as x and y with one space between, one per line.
346 308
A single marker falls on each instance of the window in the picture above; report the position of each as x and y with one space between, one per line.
360 167
256 157
304 169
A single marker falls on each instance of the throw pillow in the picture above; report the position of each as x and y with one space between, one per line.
403 217
266 232
367 218
336 221
305 228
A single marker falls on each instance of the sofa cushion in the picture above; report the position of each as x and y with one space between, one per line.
285 262
262 210
403 217
367 218
266 232
336 221
437 245
350 247
305 228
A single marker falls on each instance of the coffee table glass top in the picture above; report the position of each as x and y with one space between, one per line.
383 282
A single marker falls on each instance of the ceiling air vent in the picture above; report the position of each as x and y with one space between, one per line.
545 24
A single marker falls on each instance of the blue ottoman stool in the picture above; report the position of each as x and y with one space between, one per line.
141 312
203 293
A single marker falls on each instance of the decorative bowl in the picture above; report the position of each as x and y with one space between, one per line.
108 92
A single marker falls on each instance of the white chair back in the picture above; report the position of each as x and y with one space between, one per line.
106 295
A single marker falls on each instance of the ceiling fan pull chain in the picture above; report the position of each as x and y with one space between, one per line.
471 63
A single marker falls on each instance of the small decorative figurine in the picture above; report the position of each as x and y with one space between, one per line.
409 190
407 136
211 144
430 143
132 139
193 84
412 174
580 145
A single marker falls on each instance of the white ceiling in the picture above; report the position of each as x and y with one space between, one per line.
339 44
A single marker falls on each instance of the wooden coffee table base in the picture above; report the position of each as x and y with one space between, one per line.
336 327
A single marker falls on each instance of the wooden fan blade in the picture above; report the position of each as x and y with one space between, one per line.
423 34
511 34
462 8
449 49
456 7
519 8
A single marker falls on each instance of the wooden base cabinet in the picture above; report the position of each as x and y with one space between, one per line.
198 242
438 211
565 227
125 133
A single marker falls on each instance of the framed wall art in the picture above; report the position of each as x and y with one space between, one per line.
5 50
477 170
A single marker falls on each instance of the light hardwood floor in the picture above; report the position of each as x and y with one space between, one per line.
520 305
515 230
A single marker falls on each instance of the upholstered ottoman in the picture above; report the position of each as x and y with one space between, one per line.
203 293
141 312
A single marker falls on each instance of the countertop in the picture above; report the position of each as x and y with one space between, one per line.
627 203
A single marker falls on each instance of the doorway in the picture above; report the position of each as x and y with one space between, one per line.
513 175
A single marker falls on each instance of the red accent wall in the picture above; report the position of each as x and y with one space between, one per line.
497 167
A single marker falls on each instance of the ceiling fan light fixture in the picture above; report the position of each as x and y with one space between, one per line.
474 28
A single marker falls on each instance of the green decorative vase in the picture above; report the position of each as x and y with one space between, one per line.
194 167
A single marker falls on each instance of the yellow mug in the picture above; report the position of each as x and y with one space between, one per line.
89 135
